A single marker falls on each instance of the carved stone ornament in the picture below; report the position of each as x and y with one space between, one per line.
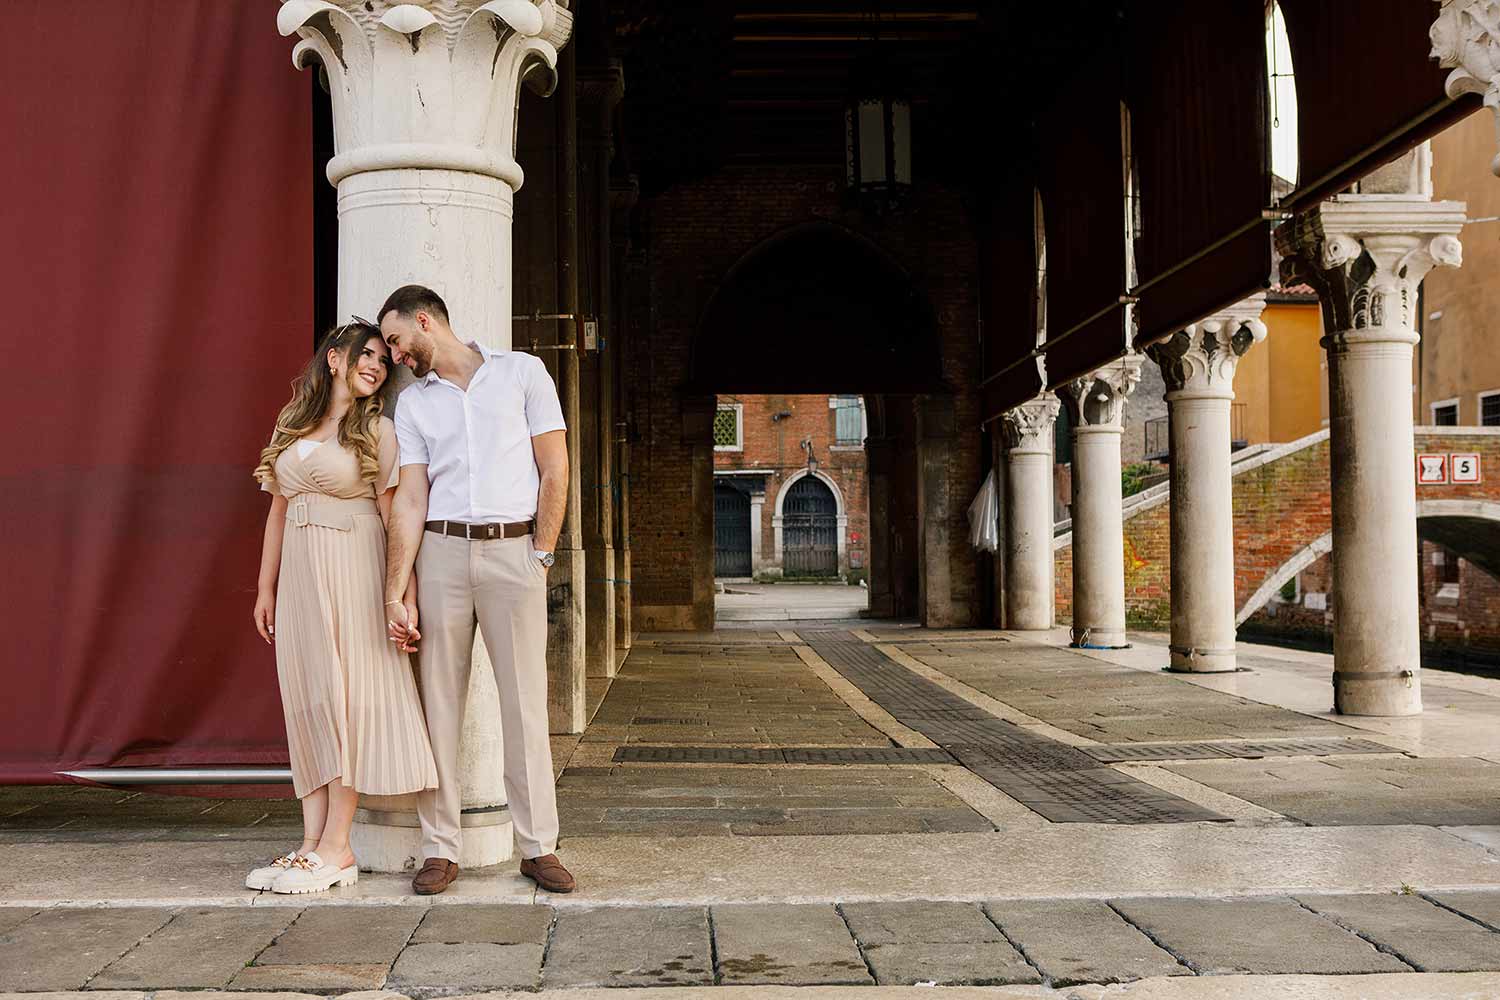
429 85
1202 357
1098 398
1366 255
1029 427
1466 39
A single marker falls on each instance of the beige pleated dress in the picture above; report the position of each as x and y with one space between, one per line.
350 697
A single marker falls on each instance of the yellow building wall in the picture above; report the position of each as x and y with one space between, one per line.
1459 356
1279 388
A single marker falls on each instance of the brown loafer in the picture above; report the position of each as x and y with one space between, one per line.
549 873
436 875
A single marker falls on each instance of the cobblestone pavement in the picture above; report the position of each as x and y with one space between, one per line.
433 950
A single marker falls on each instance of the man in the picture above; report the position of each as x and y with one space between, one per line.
478 508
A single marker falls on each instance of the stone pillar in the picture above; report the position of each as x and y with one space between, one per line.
1198 366
879 453
599 90
936 431
566 587
1096 404
424 119
1027 537
1366 255
757 521
627 273
698 434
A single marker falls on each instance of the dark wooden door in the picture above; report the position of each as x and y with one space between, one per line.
809 530
731 531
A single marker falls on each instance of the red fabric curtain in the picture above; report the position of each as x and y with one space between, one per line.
157 275
1008 301
1367 89
1199 111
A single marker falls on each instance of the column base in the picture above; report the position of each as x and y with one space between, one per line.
1385 695
1192 660
1097 638
392 841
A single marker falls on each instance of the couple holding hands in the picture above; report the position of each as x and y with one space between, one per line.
386 536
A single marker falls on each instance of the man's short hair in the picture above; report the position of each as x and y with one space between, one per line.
408 300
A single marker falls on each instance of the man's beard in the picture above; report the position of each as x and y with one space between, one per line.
421 356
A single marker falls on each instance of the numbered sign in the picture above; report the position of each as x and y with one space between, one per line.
1432 469
1464 468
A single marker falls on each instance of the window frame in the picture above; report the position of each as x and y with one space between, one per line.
739 426
1480 398
1433 407
847 444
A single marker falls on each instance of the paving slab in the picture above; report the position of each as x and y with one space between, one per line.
63 949
978 963
322 978
1265 935
805 944
335 935
1476 904
1081 941
919 923
202 948
630 946
469 966
1421 934
12 917
503 923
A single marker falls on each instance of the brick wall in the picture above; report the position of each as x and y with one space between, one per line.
694 233
774 445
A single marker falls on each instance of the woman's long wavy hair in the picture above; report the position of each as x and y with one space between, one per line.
312 393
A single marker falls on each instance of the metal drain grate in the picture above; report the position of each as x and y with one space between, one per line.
782 755
1113 753
1057 781
662 720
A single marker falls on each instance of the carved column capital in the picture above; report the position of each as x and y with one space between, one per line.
1097 400
1029 427
1365 255
1201 358
429 85
1466 39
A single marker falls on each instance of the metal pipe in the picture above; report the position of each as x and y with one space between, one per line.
183 775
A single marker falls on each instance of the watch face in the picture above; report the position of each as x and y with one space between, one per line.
548 560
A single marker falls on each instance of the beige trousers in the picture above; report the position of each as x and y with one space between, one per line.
500 585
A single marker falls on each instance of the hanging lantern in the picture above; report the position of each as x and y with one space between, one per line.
877 132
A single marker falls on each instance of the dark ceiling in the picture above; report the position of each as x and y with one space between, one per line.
764 81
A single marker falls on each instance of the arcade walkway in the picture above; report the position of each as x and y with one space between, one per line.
838 802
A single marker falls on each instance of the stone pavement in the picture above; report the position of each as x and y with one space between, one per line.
448 949
841 802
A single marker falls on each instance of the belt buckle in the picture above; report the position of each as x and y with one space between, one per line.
299 514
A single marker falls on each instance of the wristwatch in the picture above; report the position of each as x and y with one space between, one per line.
545 558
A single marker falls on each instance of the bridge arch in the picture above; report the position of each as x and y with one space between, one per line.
1450 523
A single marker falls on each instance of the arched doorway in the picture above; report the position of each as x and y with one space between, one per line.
731 532
810 529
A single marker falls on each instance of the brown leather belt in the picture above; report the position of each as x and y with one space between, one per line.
480 532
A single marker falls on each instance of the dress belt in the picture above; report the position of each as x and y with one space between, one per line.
326 511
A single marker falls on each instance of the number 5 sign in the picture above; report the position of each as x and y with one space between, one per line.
1464 468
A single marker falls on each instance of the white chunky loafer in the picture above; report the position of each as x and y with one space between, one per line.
261 878
310 873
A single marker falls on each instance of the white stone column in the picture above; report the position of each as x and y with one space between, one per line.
757 518
1096 404
424 116
1027 540
1198 366
1366 255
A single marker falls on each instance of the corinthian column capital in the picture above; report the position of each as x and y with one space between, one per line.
1365 255
1029 427
1201 358
1097 400
1466 39
429 85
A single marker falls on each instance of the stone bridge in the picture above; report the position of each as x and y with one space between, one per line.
1282 523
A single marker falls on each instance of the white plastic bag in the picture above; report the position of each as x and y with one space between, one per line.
984 517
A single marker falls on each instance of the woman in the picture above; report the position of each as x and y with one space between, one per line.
353 720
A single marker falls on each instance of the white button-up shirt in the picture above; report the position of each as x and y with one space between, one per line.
477 444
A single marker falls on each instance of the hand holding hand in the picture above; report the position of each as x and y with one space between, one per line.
402 624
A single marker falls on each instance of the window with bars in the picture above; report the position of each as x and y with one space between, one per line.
848 420
729 433
1445 414
1489 409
